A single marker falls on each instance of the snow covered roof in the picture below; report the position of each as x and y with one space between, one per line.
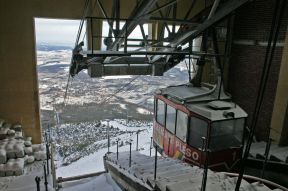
205 101
216 114
187 93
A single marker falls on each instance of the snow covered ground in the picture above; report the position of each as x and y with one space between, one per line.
103 182
94 161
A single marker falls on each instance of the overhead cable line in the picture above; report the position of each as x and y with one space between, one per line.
119 90
84 14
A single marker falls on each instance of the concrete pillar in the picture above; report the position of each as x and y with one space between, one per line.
97 31
279 122
153 32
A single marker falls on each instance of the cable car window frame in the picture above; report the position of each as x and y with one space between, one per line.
227 146
206 135
157 106
187 121
173 122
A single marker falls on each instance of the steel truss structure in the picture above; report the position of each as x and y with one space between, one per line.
150 55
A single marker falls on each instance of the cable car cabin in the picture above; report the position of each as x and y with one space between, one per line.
187 118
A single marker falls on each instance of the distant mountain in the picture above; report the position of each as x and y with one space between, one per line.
52 47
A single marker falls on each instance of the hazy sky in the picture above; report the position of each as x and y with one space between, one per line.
56 31
63 32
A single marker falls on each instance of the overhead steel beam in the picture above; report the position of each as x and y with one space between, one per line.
167 14
163 6
136 18
151 19
117 14
111 30
213 9
174 17
190 9
177 21
130 53
221 13
143 34
106 16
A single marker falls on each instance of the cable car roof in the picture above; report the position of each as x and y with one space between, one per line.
216 114
187 93
208 101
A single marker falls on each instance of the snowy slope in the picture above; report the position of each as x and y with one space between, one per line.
94 162
101 183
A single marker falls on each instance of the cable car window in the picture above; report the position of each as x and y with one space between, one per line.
227 134
160 117
170 119
198 129
181 125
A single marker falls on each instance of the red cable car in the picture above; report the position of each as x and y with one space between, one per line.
193 122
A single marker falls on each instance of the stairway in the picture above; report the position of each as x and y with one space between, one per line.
276 153
172 175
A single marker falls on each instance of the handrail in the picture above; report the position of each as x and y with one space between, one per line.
267 182
72 178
